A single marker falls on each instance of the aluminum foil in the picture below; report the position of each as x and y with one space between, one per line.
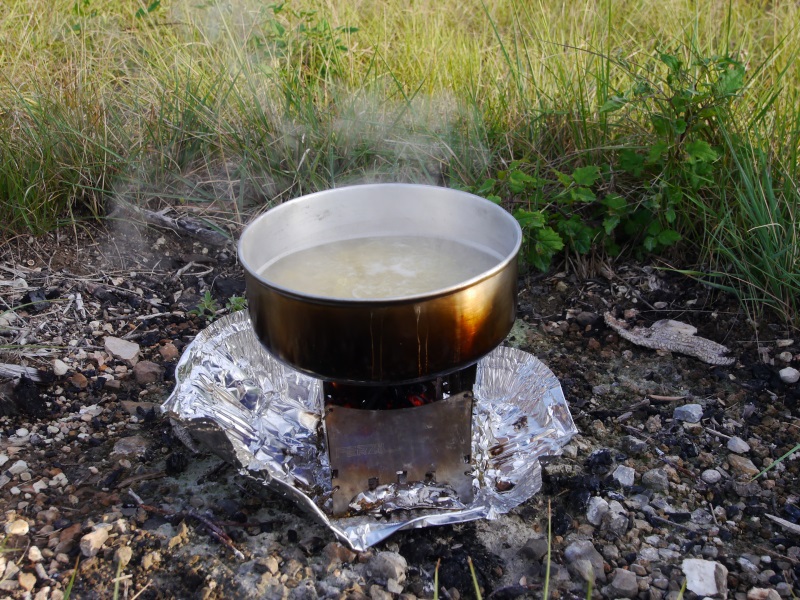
233 397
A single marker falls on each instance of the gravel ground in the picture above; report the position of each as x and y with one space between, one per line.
656 493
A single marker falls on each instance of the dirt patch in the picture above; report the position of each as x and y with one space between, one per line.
646 486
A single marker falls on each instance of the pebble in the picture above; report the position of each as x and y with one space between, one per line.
133 445
705 577
122 349
762 594
27 581
580 553
742 465
17 527
534 548
595 510
690 413
624 475
789 375
587 318
60 368
92 542
34 554
169 352
147 372
123 555
633 445
656 479
785 356
702 517
18 467
388 565
738 445
79 381
711 476
623 585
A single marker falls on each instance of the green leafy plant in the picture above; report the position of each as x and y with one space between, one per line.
207 307
236 303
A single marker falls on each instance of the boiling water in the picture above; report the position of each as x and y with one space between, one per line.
379 267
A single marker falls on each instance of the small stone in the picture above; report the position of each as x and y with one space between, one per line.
388 565
92 542
151 559
376 592
148 372
580 553
789 375
60 368
17 527
181 538
168 352
27 581
690 413
535 548
705 577
702 517
123 555
785 356
587 318
738 445
623 585
624 475
34 554
134 445
122 349
18 467
762 594
595 510
39 486
656 479
79 381
784 343
742 465
633 445
711 476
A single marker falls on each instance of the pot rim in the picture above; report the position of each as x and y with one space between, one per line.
411 298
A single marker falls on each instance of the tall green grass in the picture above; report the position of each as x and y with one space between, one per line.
234 104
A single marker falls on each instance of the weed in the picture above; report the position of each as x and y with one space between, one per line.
207 307
236 303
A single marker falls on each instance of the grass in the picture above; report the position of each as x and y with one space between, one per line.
233 105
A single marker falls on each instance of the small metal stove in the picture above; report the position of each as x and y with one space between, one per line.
399 435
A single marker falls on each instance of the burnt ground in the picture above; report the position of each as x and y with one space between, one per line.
76 443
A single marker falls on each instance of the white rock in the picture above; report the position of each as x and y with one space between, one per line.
789 375
624 475
40 486
91 543
705 577
711 476
595 510
17 527
18 467
738 445
34 554
59 367
690 413
784 343
785 356
3 459
22 432
122 349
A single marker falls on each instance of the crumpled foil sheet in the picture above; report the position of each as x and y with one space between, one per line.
264 417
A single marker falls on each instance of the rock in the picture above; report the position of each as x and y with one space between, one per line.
535 548
17 527
701 516
60 368
134 445
583 569
91 543
122 349
18 467
148 372
151 559
34 554
656 479
587 318
789 375
27 581
181 537
689 413
742 465
387 565
785 356
595 510
633 445
623 585
705 577
584 550
711 476
376 592
338 553
169 352
762 594
624 475
738 445
306 590
79 381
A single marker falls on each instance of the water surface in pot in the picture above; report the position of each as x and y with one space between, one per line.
379 266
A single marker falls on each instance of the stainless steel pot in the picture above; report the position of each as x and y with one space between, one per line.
390 340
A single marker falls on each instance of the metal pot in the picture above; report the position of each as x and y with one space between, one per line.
388 340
